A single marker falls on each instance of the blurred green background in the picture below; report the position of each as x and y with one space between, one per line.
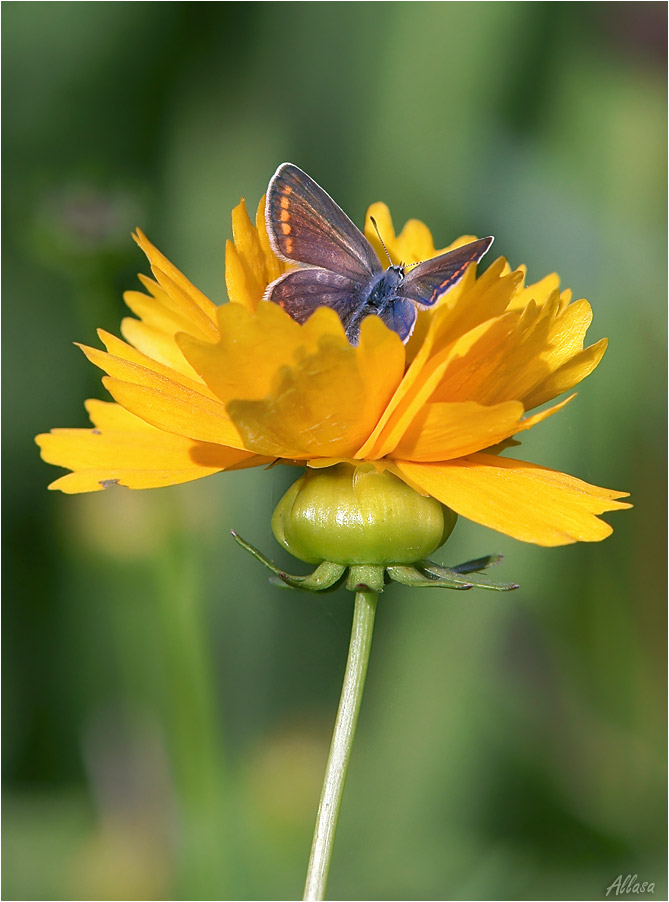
167 712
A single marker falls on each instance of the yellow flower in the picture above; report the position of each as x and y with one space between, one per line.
200 388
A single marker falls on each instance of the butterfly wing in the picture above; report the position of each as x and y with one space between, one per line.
400 316
306 226
426 282
303 291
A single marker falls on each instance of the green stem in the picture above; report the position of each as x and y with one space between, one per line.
340 748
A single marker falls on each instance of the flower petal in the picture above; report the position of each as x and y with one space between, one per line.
156 344
250 263
475 301
539 292
442 431
504 371
523 500
542 415
162 397
173 311
125 361
176 285
473 307
176 408
124 450
567 375
108 415
329 400
161 316
469 303
523 364
414 244
424 378
253 347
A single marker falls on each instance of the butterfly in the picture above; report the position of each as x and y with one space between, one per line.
342 270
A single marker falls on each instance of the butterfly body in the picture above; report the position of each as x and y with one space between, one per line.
384 289
376 298
340 268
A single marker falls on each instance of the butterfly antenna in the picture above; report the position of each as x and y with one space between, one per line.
376 228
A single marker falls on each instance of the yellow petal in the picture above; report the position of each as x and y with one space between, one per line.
539 292
525 364
153 449
250 263
448 334
470 303
506 371
174 283
567 332
161 397
566 376
528 422
124 450
430 321
523 500
444 431
236 280
157 345
562 353
108 415
414 243
253 347
425 377
175 408
565 299
328 401
161 316
249 254
173 312
97 480
322 463
252 350
380 362
125 362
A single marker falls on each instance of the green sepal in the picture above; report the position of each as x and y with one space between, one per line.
372 577
325 576
410 576
463 574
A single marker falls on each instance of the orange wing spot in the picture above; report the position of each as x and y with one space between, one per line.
289 246
285 228
285 216
285 203
287 189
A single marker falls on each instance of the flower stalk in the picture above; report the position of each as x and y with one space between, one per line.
362 529
342 742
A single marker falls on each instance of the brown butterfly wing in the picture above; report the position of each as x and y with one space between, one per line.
426 282
306 226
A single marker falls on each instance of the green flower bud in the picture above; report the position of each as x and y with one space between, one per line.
355 515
